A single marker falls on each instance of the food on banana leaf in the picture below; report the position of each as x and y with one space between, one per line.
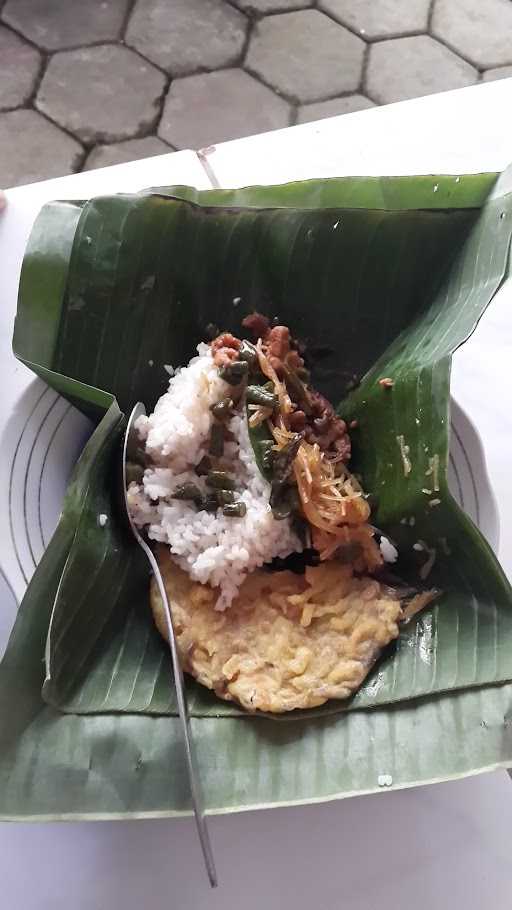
273 569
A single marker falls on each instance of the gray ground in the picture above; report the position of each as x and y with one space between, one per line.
87 83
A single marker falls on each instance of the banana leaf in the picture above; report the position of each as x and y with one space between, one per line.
382 276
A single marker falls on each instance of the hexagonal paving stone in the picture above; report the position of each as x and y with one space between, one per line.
191 35
305 55
19 66
408 67
332 108
213 107
380 18
482 31
501 72
119 152
40 151
57 24
271 6
101 93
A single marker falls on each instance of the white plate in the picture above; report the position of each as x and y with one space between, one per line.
468 479
455 832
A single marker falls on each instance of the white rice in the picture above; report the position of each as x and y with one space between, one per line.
211 547
178 428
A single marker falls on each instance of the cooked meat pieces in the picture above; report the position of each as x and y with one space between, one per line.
288 641
319 422
257 324
277 342
297 421
326 428
225 349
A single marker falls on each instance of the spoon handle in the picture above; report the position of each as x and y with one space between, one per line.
190 754
130 445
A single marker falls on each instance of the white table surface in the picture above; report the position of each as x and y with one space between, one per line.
443 846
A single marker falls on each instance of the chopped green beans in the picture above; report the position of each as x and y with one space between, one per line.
248 353
282 461
293 498
216 447
284 500
235 509
203 467
281 507
220 480
223 409
235 372
187 491
209 503
225 497
267 454
257 395
297 390
212 499
259 379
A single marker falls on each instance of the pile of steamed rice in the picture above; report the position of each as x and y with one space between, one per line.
212 548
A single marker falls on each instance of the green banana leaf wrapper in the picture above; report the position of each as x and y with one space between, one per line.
380 277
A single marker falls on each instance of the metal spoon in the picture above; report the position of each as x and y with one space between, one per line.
130 447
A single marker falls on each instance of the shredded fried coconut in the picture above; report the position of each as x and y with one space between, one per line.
331 498
435 472
404 452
